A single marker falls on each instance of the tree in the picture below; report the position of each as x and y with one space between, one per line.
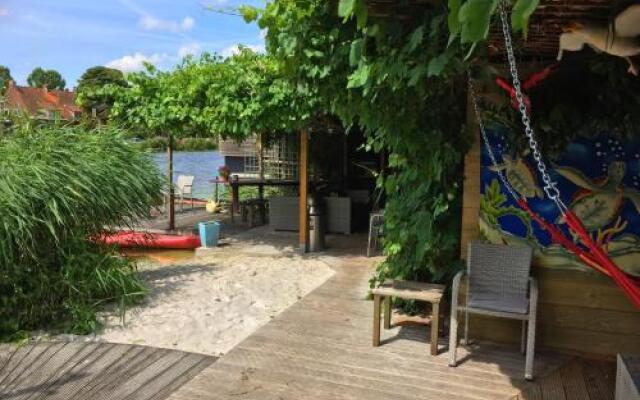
50 79
235 97
402 83
165 103
91 97
5 77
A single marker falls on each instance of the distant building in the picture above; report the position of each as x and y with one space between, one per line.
41 103
279 159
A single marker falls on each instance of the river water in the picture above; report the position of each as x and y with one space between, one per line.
203 165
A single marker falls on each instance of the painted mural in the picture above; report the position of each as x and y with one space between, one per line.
599 178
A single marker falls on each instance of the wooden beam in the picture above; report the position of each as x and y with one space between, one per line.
303 237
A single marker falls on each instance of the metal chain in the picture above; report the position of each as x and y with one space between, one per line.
550 187
485 139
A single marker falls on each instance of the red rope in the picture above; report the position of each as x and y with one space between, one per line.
630 288
596 257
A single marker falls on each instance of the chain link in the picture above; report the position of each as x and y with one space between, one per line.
485 139
550 187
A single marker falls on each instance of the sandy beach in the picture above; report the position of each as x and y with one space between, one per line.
210 304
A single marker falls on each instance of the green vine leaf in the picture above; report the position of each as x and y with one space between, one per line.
475 19
360 77
355 52
437 64
249 13
521 13
345 8
452 19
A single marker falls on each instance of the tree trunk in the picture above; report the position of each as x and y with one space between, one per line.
171 209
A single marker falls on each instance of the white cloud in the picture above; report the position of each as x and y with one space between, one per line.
190 49
150 23
235 49
4 12
135 62
188 23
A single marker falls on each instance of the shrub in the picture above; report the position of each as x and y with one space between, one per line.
59 187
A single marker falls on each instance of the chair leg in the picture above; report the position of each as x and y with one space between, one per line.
523 338
387 312
531 342
369 238
453 329
466 328
453 333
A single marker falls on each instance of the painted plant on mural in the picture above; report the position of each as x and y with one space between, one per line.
599 178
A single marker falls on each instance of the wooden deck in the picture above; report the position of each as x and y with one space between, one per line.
79 371
320 348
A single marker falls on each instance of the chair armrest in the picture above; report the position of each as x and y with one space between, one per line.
455 287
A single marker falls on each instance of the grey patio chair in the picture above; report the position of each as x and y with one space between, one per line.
498 285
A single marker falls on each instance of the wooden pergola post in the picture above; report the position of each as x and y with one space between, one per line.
171 205
303 237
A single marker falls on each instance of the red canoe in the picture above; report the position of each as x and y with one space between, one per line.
150 240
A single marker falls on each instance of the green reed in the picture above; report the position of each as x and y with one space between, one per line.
59 187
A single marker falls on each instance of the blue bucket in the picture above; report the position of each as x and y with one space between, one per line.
209 233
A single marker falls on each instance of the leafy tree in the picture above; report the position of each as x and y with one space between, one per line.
400 80
250 95
51 79
5 77
210 96
90 96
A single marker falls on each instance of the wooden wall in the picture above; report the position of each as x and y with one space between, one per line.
578 312
470 190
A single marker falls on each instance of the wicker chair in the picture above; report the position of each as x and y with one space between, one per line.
499 285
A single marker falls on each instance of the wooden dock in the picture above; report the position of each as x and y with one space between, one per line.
80 371
320 348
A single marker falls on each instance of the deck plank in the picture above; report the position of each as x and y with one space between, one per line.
97 371
320 348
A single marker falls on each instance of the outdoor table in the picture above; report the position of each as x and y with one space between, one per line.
235 184
427 292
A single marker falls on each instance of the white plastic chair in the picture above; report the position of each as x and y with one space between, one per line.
184 187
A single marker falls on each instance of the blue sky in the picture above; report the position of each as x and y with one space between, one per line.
73 35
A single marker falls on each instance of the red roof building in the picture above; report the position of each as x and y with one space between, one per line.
41 103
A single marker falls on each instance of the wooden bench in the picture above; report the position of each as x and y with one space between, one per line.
427 292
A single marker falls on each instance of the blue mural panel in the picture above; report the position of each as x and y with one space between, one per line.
598 178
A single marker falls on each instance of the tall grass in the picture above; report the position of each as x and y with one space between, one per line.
58 188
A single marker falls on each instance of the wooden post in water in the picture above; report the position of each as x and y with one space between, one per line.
303 237
171 209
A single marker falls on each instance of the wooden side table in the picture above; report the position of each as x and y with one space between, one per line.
427 292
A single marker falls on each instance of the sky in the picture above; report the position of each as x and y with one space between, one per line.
73 35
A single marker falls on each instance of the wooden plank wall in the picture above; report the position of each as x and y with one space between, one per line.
579 312
470 189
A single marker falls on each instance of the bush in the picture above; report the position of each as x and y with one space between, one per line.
59 187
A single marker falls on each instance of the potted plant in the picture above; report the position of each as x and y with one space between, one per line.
224 172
